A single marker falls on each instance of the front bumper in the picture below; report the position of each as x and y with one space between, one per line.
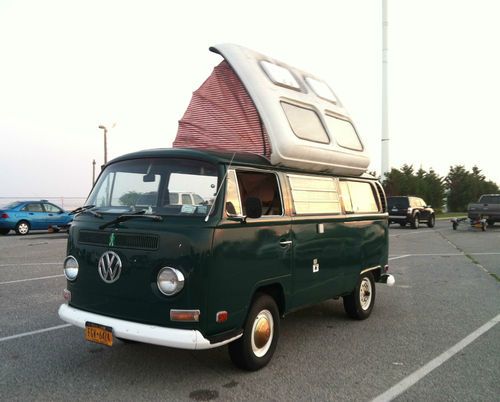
171 337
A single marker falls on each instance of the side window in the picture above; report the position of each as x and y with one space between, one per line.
359 197
186 199
198 200
263 186
33 208
346 197
242 185
173 198
305 123
52 208
344 133
314 195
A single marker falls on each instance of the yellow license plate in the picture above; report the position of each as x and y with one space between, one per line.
99 334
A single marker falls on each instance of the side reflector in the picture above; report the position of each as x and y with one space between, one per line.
185 315
67 295
221 317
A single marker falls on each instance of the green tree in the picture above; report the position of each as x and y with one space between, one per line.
465 187
129 198
433 189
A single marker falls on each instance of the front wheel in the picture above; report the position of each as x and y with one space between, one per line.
23 228
415 223
432 221
260 335
359 304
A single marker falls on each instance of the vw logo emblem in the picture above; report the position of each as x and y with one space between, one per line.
110 267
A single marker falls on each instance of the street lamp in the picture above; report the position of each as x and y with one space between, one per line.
105 143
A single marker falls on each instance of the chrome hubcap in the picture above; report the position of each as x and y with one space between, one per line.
23 228
262 333
365 294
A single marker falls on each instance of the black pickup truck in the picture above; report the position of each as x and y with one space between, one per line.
487 207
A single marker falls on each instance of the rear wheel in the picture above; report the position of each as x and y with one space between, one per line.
22 228
260 335
359 304
432 221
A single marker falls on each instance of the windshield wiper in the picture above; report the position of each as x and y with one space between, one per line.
86 208
81 209
126 217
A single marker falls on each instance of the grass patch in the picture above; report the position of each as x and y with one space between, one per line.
449 215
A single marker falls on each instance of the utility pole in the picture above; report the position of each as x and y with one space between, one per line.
105 143
385 112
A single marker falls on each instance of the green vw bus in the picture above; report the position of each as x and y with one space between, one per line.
264 242
195 248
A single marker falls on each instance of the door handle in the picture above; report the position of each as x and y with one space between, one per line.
284 243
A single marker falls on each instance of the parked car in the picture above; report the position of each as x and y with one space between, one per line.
412 210
23 216
487 207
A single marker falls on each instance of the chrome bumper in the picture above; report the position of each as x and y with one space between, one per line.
171 337
388 279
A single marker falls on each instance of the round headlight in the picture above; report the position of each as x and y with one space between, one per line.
170 281
70 268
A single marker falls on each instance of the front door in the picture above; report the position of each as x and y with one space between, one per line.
248 253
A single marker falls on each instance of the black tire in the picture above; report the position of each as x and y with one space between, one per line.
359 304
23 228
260 336
432 221
415 222
4 231
455 225
490 222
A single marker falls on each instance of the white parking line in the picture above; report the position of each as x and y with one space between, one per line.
399 256
31 279
8 338
417 375
31 264
412 233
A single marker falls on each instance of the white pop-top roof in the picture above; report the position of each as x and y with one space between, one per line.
307 125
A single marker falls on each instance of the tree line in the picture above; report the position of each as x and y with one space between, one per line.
455 190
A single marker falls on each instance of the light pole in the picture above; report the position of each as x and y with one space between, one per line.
93 172
105 143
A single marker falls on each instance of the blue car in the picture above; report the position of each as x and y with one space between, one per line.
23 216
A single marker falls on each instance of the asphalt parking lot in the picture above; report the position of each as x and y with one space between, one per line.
434 336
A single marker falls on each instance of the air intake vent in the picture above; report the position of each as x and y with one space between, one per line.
121 240
381 194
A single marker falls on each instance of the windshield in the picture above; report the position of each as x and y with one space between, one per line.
157 186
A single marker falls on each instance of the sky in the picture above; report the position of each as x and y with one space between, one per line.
67 67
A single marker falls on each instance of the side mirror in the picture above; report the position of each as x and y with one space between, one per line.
253 206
